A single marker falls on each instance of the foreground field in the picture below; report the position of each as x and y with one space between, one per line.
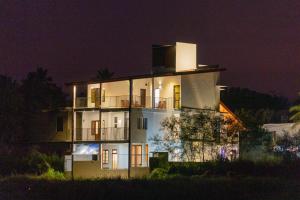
176 188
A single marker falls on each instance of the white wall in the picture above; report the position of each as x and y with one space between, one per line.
200 90
186 56
122 155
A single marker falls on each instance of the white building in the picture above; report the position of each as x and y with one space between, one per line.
113 120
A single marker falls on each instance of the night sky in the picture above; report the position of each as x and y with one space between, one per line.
258 41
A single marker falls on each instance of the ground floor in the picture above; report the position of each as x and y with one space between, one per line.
107 160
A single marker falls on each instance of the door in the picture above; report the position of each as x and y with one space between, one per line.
95 129
143 97
114 159
176 97
78 126
95 96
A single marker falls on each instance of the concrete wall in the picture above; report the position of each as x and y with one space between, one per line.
91 169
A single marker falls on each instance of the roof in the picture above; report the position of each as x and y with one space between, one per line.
207 69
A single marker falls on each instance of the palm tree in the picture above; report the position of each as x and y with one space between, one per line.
104 74
296 114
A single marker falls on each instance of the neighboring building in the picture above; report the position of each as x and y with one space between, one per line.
114 120
280 130
51 130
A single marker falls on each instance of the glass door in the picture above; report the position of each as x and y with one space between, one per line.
114 159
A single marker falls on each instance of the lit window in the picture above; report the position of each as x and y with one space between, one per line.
136 155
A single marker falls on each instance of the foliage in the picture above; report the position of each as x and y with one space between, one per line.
295 110
51 174
214 188
269 167
189 136
30 161
40 92
104 74
243 98
158 173
11 111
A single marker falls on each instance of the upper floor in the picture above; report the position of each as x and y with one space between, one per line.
176 81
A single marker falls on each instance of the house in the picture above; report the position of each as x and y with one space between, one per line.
114 120
281 130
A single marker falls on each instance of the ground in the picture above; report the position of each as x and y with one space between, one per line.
177 188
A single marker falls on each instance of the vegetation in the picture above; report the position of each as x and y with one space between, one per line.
104 74
256 108
28 161
195 132
173 188
295 110
22 102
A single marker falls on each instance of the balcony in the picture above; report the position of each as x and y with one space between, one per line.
165 103
104 102
103 134
141 101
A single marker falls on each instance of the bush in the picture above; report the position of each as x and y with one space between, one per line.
36 163
28 162
158 173
51 174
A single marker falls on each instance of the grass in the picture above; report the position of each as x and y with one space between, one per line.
23 187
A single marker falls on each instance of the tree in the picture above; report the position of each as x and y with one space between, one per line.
296 114
11 111
40 92
104 74
194 133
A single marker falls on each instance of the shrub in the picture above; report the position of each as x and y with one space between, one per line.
158 173
51 174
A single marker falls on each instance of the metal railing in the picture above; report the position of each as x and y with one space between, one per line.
104 102
164 103
101 134
141 102
123 102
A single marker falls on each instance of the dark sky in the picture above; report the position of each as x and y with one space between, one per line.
258 41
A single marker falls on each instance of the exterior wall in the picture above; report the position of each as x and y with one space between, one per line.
91 169
122 150
43 127
186 56
200 91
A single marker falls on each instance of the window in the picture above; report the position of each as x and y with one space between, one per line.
136 155
105 156
142 123
59 124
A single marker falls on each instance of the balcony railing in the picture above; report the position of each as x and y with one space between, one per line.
123 102
104 102
103 134
141 102
164 103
